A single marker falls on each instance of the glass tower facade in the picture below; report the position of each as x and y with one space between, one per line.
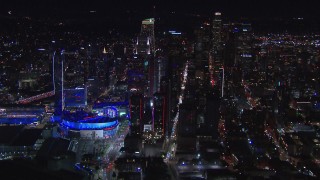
58 80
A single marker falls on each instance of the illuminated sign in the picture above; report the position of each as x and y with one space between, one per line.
111 112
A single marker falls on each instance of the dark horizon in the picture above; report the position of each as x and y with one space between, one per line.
231 8
126 15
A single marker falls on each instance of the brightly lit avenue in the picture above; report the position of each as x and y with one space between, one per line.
80 124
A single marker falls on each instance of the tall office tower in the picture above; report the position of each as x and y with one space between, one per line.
221 80
136 113
148 114
75 97
230 48
146 41
244 49
58 80
212 113
147 30
216 62
69 79
159 114
165 90
216 48
216 31
150 76
203 44
104 68
145 47
160 67
75 69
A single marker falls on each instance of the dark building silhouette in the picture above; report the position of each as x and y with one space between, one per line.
58 80
212 114
136 113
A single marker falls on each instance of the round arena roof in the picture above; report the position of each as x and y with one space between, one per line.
91 123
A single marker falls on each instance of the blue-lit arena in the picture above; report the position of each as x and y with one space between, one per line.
23 120
92 123
86 126
21 115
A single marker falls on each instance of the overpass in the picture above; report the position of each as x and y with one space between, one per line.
35 98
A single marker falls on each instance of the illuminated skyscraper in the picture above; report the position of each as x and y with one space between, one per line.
146 41
216 48
75 97
58 80
160 67
75 69
157 71
216 59
145 47
68 79
216 32
221 81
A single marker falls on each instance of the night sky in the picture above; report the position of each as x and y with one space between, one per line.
232 8
182 15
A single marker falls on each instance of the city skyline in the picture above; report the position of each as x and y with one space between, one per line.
161 90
